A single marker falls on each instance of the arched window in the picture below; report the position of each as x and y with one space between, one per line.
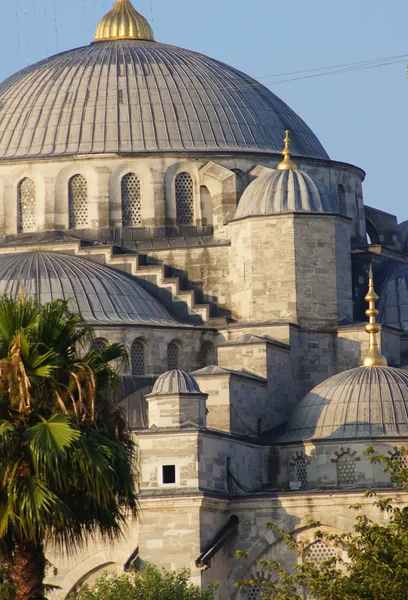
317 552
172 356
137 357
78 201
341 196
301 471
131 201
206 205
207 355
401 462
346 469
184 199
99 344
26 205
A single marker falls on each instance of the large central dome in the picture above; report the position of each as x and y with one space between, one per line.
137 96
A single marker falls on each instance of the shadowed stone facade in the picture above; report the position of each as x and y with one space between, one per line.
165 214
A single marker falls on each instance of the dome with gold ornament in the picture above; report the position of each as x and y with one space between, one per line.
370 401
128 94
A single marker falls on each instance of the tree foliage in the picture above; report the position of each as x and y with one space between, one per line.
376 563
67 460
150 583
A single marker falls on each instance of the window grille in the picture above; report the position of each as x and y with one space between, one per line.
184 199
318 552
301 471
137 357
402 463
131 201
206 356
99 344
78 201
26 205
253 593
172 356
346 469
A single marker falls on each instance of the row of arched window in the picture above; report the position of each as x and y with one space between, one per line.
131 199
345 467
138 351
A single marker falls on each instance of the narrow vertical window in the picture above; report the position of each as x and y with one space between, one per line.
301 471
207 355
131 201
26 205
341 197
78 201
172 356
184 199
137 357
346 469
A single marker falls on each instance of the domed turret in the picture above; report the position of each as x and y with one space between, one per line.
175 382
285 190
123 22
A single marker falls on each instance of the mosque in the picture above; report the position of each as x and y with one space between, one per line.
187 212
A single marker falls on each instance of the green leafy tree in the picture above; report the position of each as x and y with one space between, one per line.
150 583
376 567
66 458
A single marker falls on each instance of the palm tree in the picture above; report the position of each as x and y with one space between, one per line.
66 458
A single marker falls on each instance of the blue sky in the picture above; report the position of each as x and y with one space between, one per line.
360 117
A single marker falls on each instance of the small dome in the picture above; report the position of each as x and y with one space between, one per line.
123 22
393 296
175 382
285 191
100 294
366 402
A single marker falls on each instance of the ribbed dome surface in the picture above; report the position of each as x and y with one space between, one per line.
133 96
175 382
99 293
285 191
393 296
366 402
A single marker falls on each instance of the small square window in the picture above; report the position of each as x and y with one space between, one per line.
169 474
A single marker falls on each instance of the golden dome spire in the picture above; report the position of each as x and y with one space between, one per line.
374 356
123 22
287 163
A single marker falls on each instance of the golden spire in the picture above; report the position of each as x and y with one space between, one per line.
123 22
374 356
287 163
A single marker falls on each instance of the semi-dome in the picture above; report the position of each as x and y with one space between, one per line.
286 190
99 293
137 96
175 382
362 403
393 302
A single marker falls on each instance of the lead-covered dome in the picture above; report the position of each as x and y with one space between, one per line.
99 293
366 402
175 382
289 190
136 96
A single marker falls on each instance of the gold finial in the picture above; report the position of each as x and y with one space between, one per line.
123 22
287 163
374 356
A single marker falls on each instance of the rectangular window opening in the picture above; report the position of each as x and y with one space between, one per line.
169 474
